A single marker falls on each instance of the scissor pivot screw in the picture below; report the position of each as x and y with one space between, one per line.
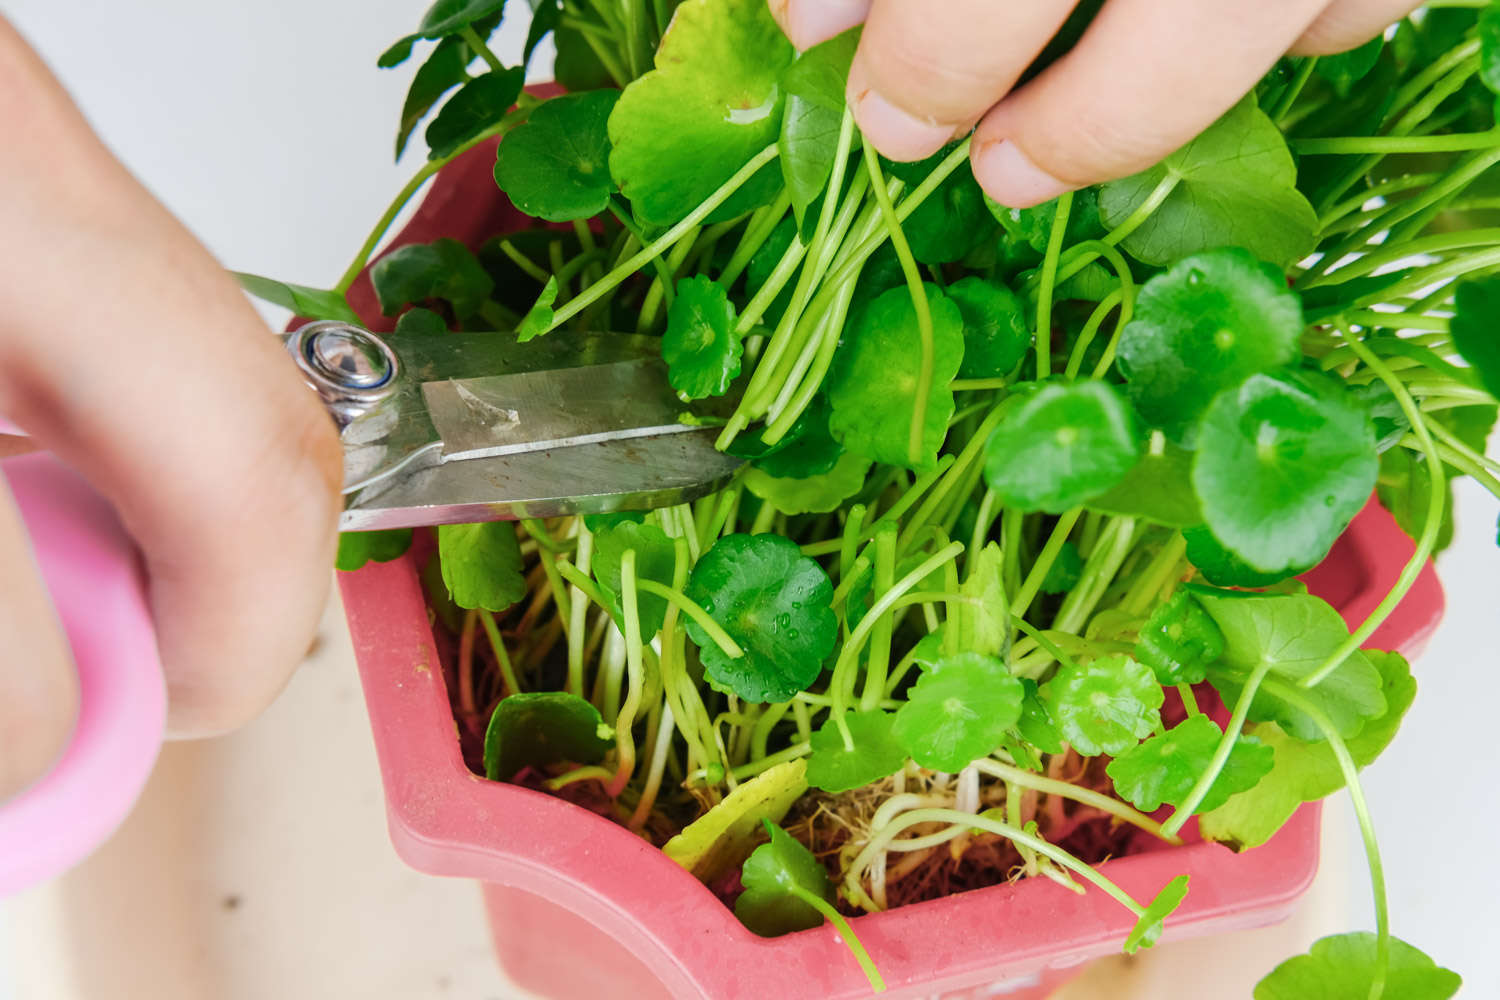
351 368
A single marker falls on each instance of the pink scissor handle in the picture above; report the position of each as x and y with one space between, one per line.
93 572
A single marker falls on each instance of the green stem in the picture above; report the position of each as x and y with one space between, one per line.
694 611
624 741
845 931
415 184
479 48
1066 790
1041 640
1049 285
1044 561
878 664
1293 89
918 301
1428 539
502 657
1210 773
665 241
1366 826
1393 144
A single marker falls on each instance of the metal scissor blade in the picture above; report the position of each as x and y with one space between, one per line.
482 428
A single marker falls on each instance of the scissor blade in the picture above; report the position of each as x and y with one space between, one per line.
566 407
486 429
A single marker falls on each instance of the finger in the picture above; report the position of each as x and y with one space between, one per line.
38 684
1146 77
1347 24
808 22
127 351
923 69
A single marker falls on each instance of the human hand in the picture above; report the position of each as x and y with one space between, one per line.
129 353
1147 76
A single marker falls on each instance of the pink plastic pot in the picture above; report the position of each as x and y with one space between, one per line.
581 908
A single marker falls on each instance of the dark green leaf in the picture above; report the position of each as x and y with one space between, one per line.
443 70
1203 326
997 334
1158 487
310 303
556 165
1036 726
1476 322
873 385
958 711
655 559
947 225
1033 226
482 102
577 67
541 728
444 269
876 754
815 493
1064 572
538 319
1292 635
774 602
768 906
482 564
448 16
1166 766
712 103
1104 705
1284 463
421 322
1489 47
1345 69
701 347
1061 446
1179 641
1223 568
1148 928
398 53
1305 772
1235 185
808 449
1341 967
814 87
545 17
359 547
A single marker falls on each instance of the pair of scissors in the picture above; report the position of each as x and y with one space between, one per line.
437 429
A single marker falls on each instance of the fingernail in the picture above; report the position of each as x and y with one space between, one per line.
1008 176
898 134
808 22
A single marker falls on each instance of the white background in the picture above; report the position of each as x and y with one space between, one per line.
268 130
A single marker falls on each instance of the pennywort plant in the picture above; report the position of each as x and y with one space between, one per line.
1026 493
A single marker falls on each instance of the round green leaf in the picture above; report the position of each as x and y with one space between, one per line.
774 602
1342 967
997 334
482 564
958 711
873 385
1234 185
700 346
712 102
1165 767
443 269
1061 446
540 728
1284 462
655 559
876 754
1203 326
814 494
1105 705
556 165
808 449
1179 641
947 225
767 906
